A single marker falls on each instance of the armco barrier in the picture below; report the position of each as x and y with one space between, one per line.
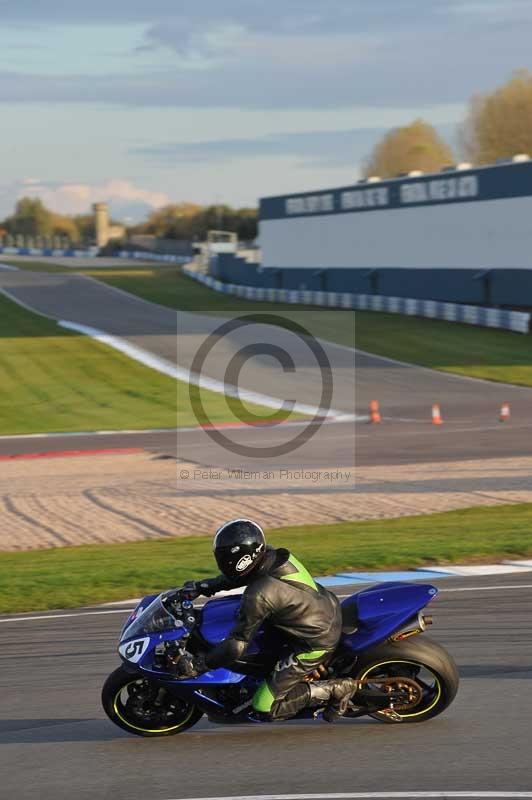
46 251
167 258
517 321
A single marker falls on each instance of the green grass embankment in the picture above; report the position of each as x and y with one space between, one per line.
54 380
74 576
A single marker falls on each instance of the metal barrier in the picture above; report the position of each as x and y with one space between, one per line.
167 258
517 321
47 251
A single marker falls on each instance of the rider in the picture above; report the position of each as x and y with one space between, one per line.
281 591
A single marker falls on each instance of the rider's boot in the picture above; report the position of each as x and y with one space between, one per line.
335 694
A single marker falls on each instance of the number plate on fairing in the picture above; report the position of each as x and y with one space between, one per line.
134 650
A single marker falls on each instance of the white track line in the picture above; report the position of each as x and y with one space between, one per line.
194 429
487 588
25 305
73 434
367 796
66 616
179 373
341 596
466 588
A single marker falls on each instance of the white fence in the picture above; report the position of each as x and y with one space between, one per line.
47 251
168 258
517 321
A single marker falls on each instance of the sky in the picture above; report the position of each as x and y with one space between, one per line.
145 103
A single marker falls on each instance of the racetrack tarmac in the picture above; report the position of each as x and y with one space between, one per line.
56 743
336 444
405 392
470 408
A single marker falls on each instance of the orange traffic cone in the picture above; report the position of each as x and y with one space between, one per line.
505 412
374 413
436 415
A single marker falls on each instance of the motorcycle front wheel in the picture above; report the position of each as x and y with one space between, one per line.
419 672
141 707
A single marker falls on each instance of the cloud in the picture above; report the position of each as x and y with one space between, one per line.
125 199
169 22
197 48
230 64
487 11
319 148
314 149
276 16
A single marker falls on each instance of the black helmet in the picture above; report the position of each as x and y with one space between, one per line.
239 548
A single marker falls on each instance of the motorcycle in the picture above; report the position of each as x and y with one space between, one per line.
402 677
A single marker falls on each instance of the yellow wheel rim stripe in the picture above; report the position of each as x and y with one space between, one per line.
145 730
415 663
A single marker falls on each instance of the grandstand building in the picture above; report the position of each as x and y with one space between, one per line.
462 235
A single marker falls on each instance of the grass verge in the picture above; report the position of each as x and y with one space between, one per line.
70 266
74 576
34 266
53 380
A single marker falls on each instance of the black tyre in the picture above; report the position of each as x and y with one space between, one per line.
432 677
143 708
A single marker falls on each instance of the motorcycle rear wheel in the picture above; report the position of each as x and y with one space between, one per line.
420 660
139 707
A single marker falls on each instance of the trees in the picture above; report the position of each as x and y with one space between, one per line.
173 221
186 221
30 218
499 124
86 227
415 146
190 221
65 226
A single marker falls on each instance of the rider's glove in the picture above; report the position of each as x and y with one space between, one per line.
191 590
205 588
190 666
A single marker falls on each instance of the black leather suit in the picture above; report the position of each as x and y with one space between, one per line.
282 593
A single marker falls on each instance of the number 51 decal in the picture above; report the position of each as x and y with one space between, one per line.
133 651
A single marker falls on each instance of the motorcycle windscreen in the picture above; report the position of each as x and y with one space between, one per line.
218 618
154 619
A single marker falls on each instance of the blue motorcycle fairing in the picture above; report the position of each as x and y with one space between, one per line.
381 611
385 608
215 676
146 661
218 618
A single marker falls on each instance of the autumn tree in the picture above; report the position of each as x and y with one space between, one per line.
65 226
499 123
173 221
190 221
86 227
416 146
30 218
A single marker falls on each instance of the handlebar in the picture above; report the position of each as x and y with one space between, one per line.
179 605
